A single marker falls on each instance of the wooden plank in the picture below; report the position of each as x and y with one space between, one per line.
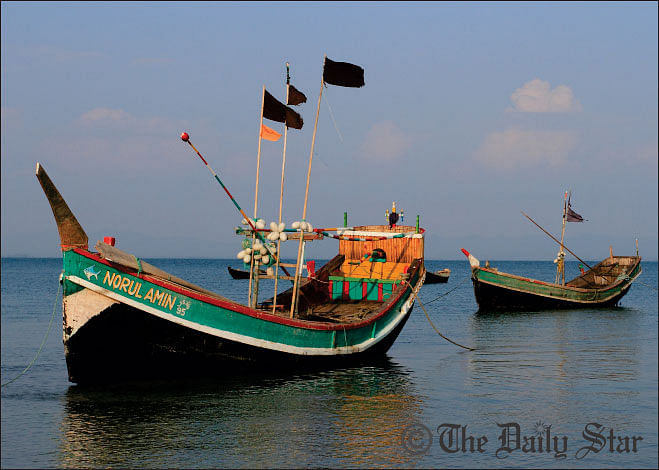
286 278
118 256
401 250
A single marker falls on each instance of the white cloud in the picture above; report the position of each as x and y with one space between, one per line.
537 96
153 61
516 148
649 152
10 116
59 54
385 141
106 117
105 114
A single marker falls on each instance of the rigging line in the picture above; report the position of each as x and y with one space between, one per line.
432 324
627 278
332 116
447 293
43 342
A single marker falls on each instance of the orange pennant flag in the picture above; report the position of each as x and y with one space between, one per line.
269 134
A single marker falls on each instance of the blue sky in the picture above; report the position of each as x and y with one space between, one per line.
471 113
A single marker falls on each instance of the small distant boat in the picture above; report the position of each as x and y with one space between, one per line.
601 286
438 277
242 274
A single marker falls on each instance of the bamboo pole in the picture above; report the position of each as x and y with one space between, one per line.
256 205
281 195
299 266
553 238
306 194
560 266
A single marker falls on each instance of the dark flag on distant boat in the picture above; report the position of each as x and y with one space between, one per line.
571 215
295 96
343 74
277 111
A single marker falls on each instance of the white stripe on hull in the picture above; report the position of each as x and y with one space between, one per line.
302 351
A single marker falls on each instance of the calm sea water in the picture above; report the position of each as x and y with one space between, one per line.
551 374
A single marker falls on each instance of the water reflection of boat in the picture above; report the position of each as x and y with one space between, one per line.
356 415
550 355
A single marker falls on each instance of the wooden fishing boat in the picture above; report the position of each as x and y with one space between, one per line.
123 317
602 286
241 273
438 277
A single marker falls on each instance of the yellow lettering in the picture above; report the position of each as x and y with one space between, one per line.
149 295
117 281
131 290
124 283
137 293
170 302
158 296
107 278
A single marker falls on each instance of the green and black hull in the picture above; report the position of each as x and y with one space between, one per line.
603 286
122 323
123 317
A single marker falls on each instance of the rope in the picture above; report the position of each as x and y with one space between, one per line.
139 265
447 293
332 116
627 278
43 342
433 325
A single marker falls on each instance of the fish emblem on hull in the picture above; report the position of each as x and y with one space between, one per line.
90 271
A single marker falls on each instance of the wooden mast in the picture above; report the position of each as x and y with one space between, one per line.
281 193
553 238
560 265
254 274
306 196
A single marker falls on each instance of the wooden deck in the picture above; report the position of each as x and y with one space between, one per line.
343 311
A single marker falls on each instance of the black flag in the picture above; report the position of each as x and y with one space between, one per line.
343 74
571 215
276 111
295 96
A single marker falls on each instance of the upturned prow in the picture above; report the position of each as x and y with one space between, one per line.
71 233
473 261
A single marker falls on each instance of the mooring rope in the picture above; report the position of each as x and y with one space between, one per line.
43 342
447 293
627 278
433 325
